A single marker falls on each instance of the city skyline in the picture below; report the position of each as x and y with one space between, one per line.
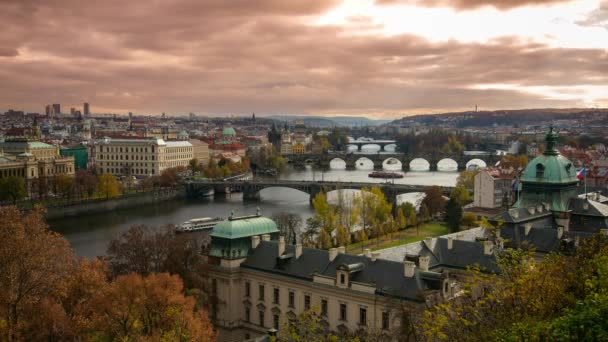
381 59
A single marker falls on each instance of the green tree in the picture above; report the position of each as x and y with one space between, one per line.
461 195
469 219
12 189
466 179
453 215
63 185
108 186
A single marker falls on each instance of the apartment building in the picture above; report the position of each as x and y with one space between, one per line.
139 157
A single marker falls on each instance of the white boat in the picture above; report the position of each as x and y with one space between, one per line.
198 224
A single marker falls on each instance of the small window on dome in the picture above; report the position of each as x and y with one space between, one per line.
568 167
540 170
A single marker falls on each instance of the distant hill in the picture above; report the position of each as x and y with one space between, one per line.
326 122
540 116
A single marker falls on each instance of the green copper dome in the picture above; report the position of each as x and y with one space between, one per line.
228 131
551 167
244 227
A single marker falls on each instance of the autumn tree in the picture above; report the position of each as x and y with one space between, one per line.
466 179
108 186
461 195
63 185
33 262
434 200
85 183
469 219
12 189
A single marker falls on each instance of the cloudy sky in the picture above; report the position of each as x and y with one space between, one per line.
374 58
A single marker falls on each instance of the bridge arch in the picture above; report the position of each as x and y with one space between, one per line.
420 164
392 164
352 148
364 164
447 164
476 164
390 148
337 164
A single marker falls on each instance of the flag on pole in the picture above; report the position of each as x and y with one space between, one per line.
582 173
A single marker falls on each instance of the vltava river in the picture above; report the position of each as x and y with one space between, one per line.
89 235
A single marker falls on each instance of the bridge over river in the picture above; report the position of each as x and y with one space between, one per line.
251 188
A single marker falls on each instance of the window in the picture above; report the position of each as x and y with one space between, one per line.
324 307
385 320
540 170
342 278
247 314
343 312
261 291
261 318
247 289
275 321
362 316
306 302
292 299
275 297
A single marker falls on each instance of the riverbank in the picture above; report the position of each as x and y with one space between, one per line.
102 205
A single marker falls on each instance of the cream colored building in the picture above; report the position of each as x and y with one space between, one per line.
261 283
200 151
492 188
33 159
139 157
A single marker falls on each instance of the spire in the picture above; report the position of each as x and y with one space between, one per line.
551 139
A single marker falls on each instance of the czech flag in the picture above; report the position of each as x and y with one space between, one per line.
582 173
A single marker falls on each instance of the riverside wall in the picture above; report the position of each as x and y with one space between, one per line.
107 205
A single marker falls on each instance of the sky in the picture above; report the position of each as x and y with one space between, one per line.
370 58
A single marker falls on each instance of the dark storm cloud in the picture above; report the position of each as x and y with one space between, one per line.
262 56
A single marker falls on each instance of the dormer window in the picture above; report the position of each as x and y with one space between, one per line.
540 170
342 278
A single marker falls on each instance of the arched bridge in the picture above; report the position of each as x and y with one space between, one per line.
251 188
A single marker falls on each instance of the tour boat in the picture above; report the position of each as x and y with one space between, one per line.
198 224
382 174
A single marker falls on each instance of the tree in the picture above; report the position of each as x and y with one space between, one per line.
434 200
85 183
289 225
461 195
409 210
12 189
34 262
168 178
306 327
466 179
63 185
469 219
194 165
342 236
453 215
108 186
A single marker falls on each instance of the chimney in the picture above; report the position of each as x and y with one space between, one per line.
531 210
298 250
527 228
560 232
577 240
255 241
281 245
514 212
375 255
539 208
488 247
266 237
341 250
367 252
450 242
333 252
586 206
423 262
409 268
497 232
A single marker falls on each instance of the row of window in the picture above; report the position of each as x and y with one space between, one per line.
123 157
122 170
126 149
276 298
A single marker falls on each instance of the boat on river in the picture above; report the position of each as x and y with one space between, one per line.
198 224
383 174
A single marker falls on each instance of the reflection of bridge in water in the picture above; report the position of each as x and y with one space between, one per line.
398 161
251 188
381 143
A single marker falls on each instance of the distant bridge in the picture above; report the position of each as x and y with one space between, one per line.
381 143
398 161
251 188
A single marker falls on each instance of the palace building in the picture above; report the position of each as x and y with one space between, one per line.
262 283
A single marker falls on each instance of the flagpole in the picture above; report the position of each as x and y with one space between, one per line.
585 180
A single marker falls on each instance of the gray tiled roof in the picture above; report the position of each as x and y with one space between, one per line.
594 208
385 275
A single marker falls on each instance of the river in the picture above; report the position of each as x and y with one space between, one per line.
89 235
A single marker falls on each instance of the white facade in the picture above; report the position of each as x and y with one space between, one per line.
139 157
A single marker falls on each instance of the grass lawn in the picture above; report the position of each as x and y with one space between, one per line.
400 238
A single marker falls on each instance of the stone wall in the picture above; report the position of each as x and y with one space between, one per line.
103 205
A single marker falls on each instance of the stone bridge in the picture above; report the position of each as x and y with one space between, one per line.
403 161
251 188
